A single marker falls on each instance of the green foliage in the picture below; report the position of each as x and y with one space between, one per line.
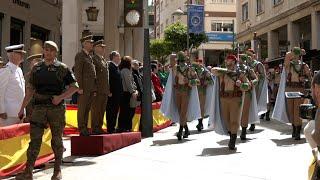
160 49
177 35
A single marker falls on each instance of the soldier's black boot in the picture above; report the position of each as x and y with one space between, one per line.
26 174
179 134
186 132
298 130
232 142
268 116
252 127
200 124
243 135
293 131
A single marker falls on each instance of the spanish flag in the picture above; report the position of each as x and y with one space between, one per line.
14 142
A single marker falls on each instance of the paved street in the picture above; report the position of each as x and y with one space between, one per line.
269 154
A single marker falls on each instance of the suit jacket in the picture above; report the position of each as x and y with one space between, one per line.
115 81
85 72
102 71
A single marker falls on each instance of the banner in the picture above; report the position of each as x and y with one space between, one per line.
196 19
159 121
217 36
14 142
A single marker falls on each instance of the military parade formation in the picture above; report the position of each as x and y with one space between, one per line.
234 96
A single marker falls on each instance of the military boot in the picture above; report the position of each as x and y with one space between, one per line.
232 142
298 130
186 132
243 135
268 116
57 171
294 129
179 134
26 174
252 127
200 125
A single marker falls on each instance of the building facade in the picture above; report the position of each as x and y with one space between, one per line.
30 23
220 16
279 25
109 26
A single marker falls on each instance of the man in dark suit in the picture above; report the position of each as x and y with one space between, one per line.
85 73
115 83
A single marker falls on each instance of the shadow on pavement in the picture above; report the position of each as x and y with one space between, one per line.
284 129
77 161
226 141
288 142
221 151
167 142
201 132
256 131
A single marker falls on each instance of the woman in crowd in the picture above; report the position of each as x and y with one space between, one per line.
129 97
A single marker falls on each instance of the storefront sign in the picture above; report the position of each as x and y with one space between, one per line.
21 3
215 36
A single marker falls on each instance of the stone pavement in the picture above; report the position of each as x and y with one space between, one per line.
270 153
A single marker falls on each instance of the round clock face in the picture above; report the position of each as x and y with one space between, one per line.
133 17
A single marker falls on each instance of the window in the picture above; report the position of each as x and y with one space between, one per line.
16 31
222 1
161 28
259 6
276 2
220 26
161 6
167 22
245 12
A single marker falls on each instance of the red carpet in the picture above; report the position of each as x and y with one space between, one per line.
102 144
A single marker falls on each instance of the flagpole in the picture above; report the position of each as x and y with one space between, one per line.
188 28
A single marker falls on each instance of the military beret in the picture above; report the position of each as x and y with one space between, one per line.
99 43
51 44
87 38
232 57
297 51
16 48
34 56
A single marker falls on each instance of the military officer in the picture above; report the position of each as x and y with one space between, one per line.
50 83
85 73
12 86
32 60
100 101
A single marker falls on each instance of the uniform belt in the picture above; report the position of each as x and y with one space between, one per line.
182 86
230 94
295 84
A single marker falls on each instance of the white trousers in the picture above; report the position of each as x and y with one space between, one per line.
307 133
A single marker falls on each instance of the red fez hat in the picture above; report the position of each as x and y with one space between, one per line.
231 56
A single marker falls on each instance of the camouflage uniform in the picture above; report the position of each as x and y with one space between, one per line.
48 81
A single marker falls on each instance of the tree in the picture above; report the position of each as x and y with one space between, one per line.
177 35
160 49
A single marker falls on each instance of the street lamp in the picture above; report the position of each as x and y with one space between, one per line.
179 13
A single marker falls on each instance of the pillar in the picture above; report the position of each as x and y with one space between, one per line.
273 44
113 11
71 30
315 29
5 39
293 35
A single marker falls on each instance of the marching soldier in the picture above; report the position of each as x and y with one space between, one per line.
185 78
85 73
262 86
250 103
33 59
48 85
230 84
205 80
100 101
12 86
294 77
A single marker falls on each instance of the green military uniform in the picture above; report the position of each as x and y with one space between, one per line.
85 73
100 100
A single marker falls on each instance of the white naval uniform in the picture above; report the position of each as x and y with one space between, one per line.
12 92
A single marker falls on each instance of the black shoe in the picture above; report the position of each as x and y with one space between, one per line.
232 142
200 125
252 127
262 116
179 134
294 129
84 133
186 132
98 132
268 116
298 130
243 135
